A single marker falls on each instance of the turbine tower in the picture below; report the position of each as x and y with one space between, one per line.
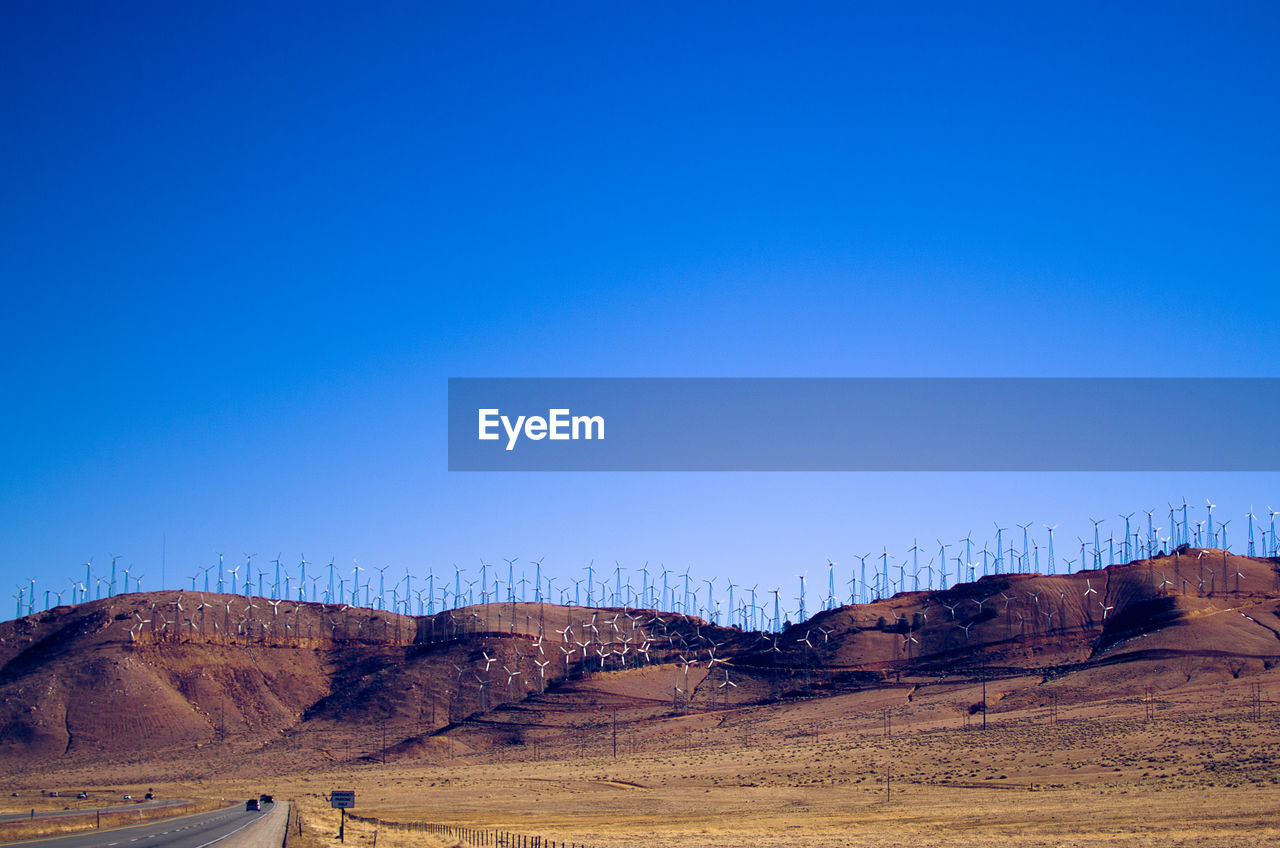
1275 547
800 616
999 543
1026 547
1097 543
866 595
831 583
275 587
1051 529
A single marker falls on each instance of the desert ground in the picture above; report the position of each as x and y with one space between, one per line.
1192 765
1136 705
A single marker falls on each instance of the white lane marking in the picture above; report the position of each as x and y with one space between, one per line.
232 833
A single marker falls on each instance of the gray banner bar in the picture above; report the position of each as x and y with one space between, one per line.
864 424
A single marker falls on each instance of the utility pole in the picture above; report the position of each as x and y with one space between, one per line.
615 734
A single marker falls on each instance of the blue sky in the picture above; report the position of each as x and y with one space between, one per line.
243 249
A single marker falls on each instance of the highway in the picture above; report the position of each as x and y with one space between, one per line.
198 831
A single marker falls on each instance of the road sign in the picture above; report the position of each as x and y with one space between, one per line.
342 799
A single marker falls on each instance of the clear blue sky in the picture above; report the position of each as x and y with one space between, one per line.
242 249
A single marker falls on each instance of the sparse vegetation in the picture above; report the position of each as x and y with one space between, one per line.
1094 739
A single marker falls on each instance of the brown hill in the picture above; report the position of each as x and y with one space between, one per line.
176 676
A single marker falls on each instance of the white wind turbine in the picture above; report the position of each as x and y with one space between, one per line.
1051 529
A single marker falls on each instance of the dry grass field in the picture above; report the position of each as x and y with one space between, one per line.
1192 766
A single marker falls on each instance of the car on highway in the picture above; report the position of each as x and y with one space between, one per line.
266 799
82 795
251 805
128 797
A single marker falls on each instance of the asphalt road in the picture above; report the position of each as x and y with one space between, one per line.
89 810
198 831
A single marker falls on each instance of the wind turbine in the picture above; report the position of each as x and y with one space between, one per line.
999 540
1126 518
1275 547
382 586
111 587
511 578
1026 547
484 581
1051 529
1210 533
248 575
537 579
1097 543
862 558
1249 515
884 571
831 586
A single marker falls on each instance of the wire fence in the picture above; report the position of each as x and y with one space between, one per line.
479 837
